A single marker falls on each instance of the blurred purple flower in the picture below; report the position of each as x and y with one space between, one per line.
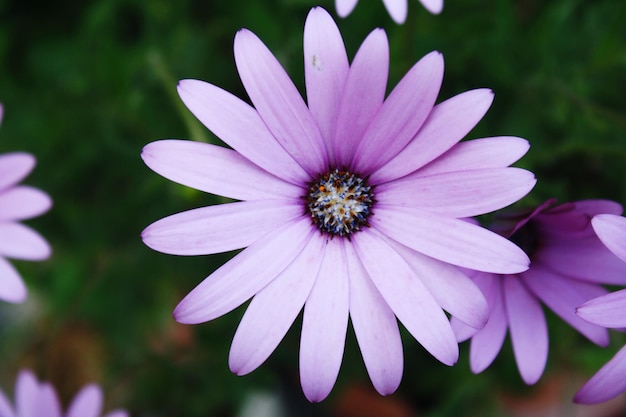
39 399
397 8
607 311
312 179
18 202
568 264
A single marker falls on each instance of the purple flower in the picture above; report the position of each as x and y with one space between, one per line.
607 311
351 206
568 264
18 202
38 399
397 8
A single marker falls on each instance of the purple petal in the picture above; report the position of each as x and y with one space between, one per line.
12 288
22 242
433 6
279 103
48 403
14 167
244 275
611 230
214 169
397 10
529 331
447 124
363 95
26 394
23 202
240 126
87 403
324 324
325 70
607 383
608 310
407 296
273 309
459 194
117 413
219 228
375 327
345 7
563 295
6 410
450 240
401 115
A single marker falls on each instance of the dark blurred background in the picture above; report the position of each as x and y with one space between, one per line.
86 85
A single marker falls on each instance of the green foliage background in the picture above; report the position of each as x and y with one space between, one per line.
86 85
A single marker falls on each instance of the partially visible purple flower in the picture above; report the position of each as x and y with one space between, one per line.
18 202
397 8
568 264
39 399
607 311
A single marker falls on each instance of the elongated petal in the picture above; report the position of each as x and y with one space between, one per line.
401 115
6 410
325 70
376 328
529 330
324 324
433 6
608 310
117 413
459 194
215 170
23 202
219 228
12 288
14 167
244 275
450 240
47 403
279 103
26 394
363 95
407 296
447 124
22 242
611 230
563 295
607 383
397 9
240 126
345 7
87 403
272 311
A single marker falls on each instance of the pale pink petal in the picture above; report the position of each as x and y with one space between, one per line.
324 324
462 331
433 6
14 167
450 240
528 327
607 383
563 295
345 7
22 242
397 9
401 115
12 288
447 124
48 403
608 310
117 413
375 327
26 394
611 230
6 409
279 103
459 194
244 275
325 70
240 126
215 170
363 95
1 113
23 202
407 296
87 403
219 228
273 309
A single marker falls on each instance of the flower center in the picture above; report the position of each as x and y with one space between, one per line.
340 202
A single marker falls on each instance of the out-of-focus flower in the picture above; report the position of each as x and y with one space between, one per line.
568 264
607 311
397 8
39 399
351 206
17 241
